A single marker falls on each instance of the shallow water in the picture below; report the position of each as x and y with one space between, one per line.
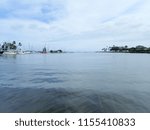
75 82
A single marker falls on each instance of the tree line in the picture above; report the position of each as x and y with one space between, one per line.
126 49
10 46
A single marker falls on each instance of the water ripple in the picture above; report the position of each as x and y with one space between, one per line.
61 100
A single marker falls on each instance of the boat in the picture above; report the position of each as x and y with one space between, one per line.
44 50
9 52
27 52
20 52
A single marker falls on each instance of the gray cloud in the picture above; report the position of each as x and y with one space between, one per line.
75 24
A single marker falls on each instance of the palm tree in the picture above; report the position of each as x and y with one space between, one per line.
14 42
19 44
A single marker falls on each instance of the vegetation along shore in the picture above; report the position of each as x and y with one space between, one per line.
126 49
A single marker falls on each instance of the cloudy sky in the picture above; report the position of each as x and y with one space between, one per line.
75 24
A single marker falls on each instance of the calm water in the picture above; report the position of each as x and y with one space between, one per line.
75 82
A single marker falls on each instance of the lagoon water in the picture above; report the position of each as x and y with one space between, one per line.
75 82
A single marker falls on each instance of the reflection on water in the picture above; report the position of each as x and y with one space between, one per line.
8 56
75 83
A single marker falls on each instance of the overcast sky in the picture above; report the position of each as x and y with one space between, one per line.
75 24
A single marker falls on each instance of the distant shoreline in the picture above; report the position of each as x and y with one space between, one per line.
125 49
